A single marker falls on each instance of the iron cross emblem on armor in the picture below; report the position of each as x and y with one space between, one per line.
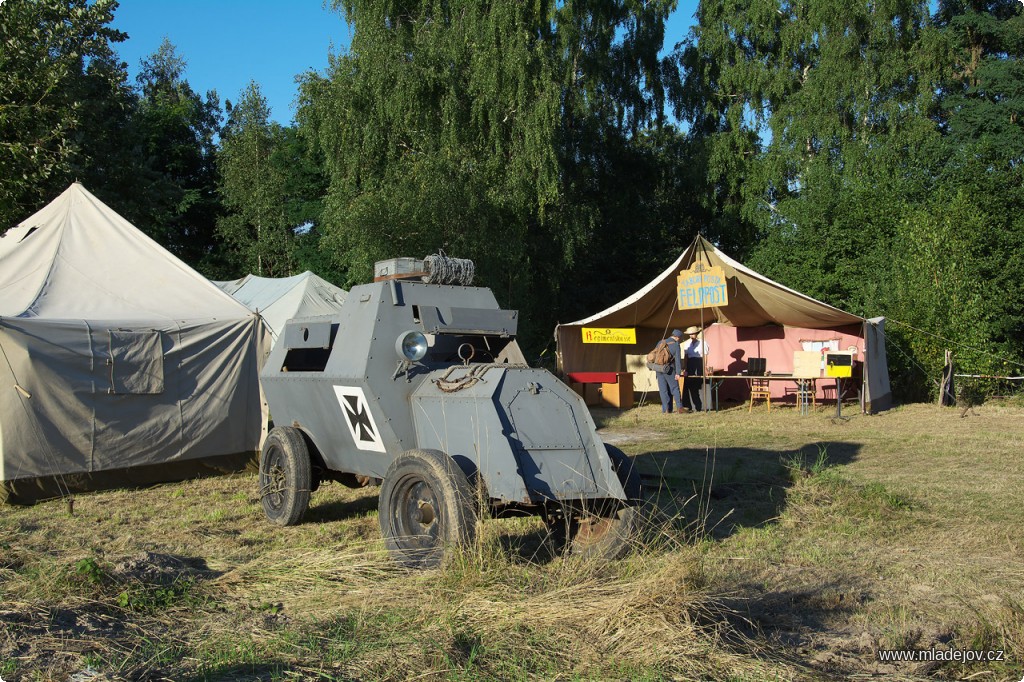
359 418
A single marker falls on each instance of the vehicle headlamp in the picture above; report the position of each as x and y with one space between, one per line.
411 346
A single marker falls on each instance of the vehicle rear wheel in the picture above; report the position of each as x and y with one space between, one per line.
604 534
285 476
426 508
628 474
609 529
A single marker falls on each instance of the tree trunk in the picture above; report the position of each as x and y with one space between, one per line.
947 392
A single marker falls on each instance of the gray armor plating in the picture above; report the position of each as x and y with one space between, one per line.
344 382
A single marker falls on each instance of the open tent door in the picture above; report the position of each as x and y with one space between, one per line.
877 394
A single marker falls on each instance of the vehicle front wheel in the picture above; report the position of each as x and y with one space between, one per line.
285 476
426 508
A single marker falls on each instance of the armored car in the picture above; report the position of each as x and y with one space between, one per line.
418 385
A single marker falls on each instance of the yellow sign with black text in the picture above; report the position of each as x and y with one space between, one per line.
702 286
606 335
839 364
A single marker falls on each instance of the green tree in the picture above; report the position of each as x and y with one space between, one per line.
959 265
475 127
63 100
176 132
268 187
646 201
305 185
799 103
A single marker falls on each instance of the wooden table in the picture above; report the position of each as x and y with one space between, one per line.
712 382
613 389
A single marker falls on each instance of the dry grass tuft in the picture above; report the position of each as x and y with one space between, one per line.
780 546
644 613
352 569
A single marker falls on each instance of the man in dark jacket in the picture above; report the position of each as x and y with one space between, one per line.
669 375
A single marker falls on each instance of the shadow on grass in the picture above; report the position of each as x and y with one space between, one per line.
715 492
787 615
533 547
339 510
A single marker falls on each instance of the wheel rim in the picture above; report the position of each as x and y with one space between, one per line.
416 514
273 479
591 529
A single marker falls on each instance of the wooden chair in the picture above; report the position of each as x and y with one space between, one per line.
851 390
806 393
759 390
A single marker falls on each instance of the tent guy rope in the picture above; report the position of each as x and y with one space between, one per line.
958 344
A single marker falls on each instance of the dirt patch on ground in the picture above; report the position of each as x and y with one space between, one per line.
620 437
153 568
110 607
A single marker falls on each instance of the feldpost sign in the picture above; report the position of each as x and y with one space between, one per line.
606 335
702 286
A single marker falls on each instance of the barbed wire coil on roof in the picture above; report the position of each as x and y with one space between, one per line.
442 269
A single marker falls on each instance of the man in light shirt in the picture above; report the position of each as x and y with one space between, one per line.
694 351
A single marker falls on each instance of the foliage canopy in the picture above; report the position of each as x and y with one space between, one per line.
866 153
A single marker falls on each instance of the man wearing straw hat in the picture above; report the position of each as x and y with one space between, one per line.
694 351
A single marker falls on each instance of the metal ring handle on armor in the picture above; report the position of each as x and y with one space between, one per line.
470 354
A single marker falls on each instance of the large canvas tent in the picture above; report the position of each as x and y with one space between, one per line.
278 299
120 364
762 319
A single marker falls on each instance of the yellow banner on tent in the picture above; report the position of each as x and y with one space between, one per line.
606 335
702 286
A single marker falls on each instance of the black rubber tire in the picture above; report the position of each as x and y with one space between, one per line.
627 472
426 509
609 530
285 476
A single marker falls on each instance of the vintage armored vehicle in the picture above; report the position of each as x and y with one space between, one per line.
418 384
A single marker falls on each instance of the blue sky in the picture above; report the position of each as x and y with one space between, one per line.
227 43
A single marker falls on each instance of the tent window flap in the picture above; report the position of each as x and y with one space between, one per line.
136 362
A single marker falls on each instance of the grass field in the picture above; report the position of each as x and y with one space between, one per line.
781 547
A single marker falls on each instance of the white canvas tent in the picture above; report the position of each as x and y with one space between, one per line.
761 312
119 362
278 299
